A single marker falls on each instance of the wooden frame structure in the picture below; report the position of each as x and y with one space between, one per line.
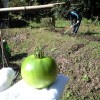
9 9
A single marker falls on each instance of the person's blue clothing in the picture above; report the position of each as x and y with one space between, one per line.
74 17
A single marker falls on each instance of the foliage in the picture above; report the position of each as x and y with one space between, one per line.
88 8
15 3
85 78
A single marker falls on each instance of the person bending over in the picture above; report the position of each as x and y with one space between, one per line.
75 18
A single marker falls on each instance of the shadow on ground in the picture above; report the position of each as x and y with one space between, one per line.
18 56
17 23
87 35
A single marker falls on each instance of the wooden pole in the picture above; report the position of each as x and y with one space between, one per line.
28 7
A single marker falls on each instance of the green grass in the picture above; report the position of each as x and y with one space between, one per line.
79 55
62 23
